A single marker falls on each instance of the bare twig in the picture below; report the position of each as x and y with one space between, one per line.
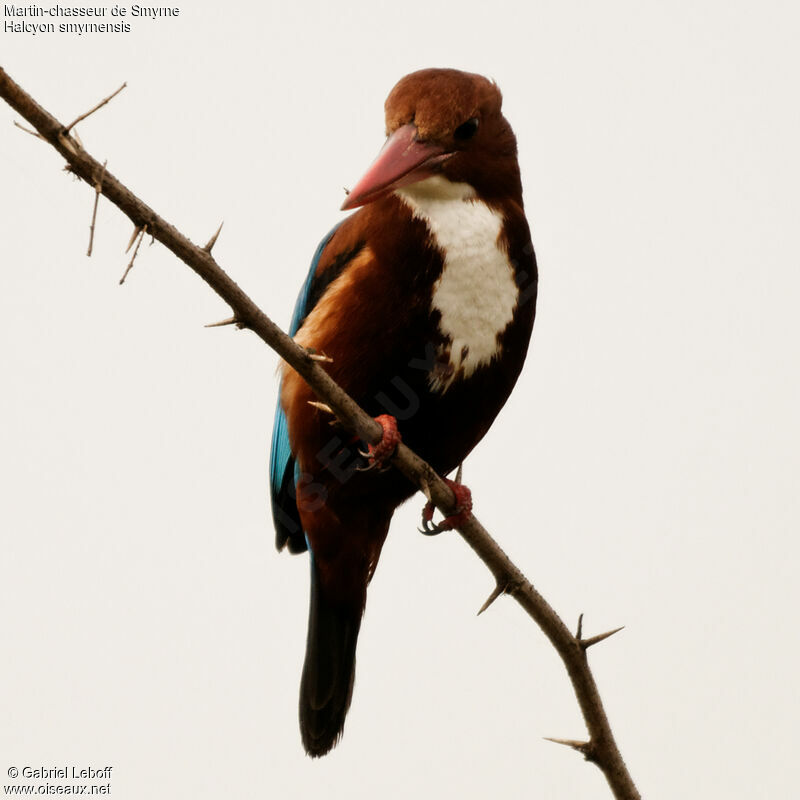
98 188
28 130
142 232
602 746
74 122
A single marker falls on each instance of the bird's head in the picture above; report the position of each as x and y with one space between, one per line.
448 123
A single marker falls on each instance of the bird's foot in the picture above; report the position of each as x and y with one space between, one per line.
378 454
459 516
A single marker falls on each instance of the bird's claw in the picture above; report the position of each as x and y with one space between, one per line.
379 454
459 516
428 528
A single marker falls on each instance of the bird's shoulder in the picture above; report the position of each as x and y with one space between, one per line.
337 252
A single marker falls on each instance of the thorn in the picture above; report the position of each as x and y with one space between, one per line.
68 144
581 747
136 231
314 356
498 590
426 489
321 406
579 632
213 240
587 643
229 321
72 124
459 472
98 188
78 139
28 130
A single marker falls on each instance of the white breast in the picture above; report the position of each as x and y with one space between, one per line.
476 294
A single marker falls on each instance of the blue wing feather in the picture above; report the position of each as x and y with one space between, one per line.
282 466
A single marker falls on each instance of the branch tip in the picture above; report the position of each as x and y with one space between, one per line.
579 632
72 124
28 130
141 232
98 188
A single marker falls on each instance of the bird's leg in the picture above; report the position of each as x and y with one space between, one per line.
459 516
379 454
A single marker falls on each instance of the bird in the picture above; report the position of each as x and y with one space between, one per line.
420 304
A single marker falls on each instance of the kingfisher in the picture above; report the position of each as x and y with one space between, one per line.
420 305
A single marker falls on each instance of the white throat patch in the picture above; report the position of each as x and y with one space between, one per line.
476 293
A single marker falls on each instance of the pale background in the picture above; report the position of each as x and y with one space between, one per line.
644 472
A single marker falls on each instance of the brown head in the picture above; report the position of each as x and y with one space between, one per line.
444 122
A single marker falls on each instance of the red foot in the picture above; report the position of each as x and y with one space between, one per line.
462 511
379 454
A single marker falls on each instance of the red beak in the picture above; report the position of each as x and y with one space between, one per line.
403 160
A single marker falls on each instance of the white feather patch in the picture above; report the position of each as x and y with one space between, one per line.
476 293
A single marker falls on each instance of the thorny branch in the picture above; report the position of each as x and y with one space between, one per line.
601 747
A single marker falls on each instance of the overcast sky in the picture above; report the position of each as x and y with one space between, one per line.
644 472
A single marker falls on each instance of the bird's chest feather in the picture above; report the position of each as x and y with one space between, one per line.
476 294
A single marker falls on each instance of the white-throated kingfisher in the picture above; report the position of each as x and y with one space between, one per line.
423 301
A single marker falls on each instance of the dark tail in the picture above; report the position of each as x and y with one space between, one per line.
329 669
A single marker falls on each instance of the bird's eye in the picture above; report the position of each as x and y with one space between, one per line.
467 129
